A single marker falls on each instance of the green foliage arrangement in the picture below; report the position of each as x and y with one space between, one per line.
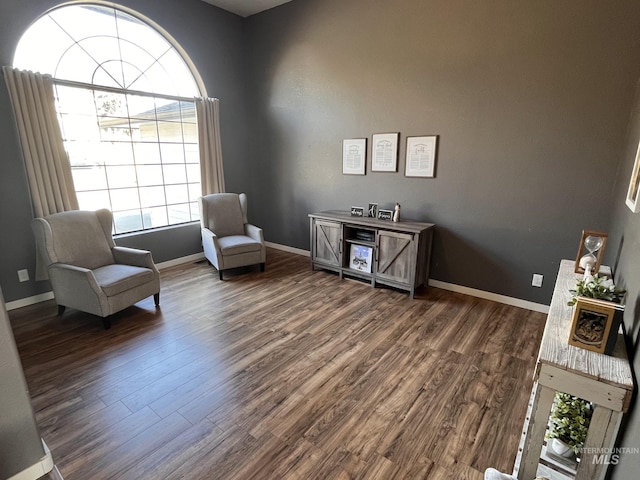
598 287
570 418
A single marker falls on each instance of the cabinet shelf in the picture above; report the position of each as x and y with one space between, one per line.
360 242
398 253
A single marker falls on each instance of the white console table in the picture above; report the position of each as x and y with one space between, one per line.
604 380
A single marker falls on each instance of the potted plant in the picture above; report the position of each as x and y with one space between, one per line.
601 288
568 424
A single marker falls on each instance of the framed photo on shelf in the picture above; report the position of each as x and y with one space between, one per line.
354 156
360 258
357 211
591 324
385 214
373 210
633 193
421 156
384 152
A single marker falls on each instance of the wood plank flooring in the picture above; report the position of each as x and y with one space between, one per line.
286 374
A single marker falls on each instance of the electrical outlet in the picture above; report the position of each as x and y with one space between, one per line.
537 280
23 275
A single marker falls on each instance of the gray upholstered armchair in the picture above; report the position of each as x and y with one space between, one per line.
229 241
86 268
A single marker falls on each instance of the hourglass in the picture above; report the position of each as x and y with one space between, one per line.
590 251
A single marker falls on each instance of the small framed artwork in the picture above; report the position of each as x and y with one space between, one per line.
591 324
384 152
421 156
354 155
360 258
373 210
633 193
385 214
357 211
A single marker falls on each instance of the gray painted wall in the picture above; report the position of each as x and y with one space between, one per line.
625 255
213 39
20 445
530 101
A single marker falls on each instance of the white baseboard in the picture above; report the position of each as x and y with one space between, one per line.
196 257
515 302
37 470
286 248
24 302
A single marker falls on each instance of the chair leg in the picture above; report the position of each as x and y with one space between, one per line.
262 267
156 298
61 309
220 274
106 323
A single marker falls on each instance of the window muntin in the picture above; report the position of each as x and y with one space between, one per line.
128 122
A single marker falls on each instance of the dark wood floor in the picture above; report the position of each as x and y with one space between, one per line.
287 374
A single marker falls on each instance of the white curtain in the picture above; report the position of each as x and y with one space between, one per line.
45 159
211 169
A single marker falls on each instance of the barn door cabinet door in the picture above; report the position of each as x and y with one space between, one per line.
396 257
327 242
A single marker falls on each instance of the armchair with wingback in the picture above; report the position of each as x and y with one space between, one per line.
87 270
228 239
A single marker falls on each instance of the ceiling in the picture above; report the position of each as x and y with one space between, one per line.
244 8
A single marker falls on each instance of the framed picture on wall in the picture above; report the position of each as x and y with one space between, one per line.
354 156
384 152
421 156
633 193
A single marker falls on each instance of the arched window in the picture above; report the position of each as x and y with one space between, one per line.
125 102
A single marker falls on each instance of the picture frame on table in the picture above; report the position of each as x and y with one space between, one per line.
360 258
593 324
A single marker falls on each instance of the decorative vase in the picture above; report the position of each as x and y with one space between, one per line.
561 449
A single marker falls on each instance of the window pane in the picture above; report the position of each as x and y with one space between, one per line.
115 153
141 107
177 194
152 196
170 131
179 213
195 211
121 176
193 173
149 175
129 221
192 154
172 153
146 153
124 198
89 177
155 217
174 174
94 200
195 191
